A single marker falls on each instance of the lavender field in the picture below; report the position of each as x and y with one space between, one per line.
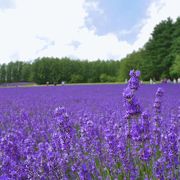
90 132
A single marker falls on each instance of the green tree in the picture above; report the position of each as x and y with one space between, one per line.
9 72
3 73
26 75
76 78
103 77
175 68
132 61
158 48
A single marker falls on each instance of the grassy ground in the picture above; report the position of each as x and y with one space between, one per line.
13 85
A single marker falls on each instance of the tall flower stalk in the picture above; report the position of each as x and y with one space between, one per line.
157 119
157 138
133 110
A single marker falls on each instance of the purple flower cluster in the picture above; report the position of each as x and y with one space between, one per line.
80 132
130 102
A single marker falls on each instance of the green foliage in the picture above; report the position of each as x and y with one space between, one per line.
26 72
132 61
156 58
49 69
106 78
175 69
76 78
3 73
158 48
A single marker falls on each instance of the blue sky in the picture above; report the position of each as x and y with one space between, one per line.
121 17
81 29
5 4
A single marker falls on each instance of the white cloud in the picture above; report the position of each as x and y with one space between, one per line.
36 28
158 10
57 20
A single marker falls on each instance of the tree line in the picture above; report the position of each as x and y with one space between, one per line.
159 58
55 70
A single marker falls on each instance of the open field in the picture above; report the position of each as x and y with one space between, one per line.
86 136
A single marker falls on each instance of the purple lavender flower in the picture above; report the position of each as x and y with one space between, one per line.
157 117
133 82
158 100
130 102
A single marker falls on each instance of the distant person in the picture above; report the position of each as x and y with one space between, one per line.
168 81
178 80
